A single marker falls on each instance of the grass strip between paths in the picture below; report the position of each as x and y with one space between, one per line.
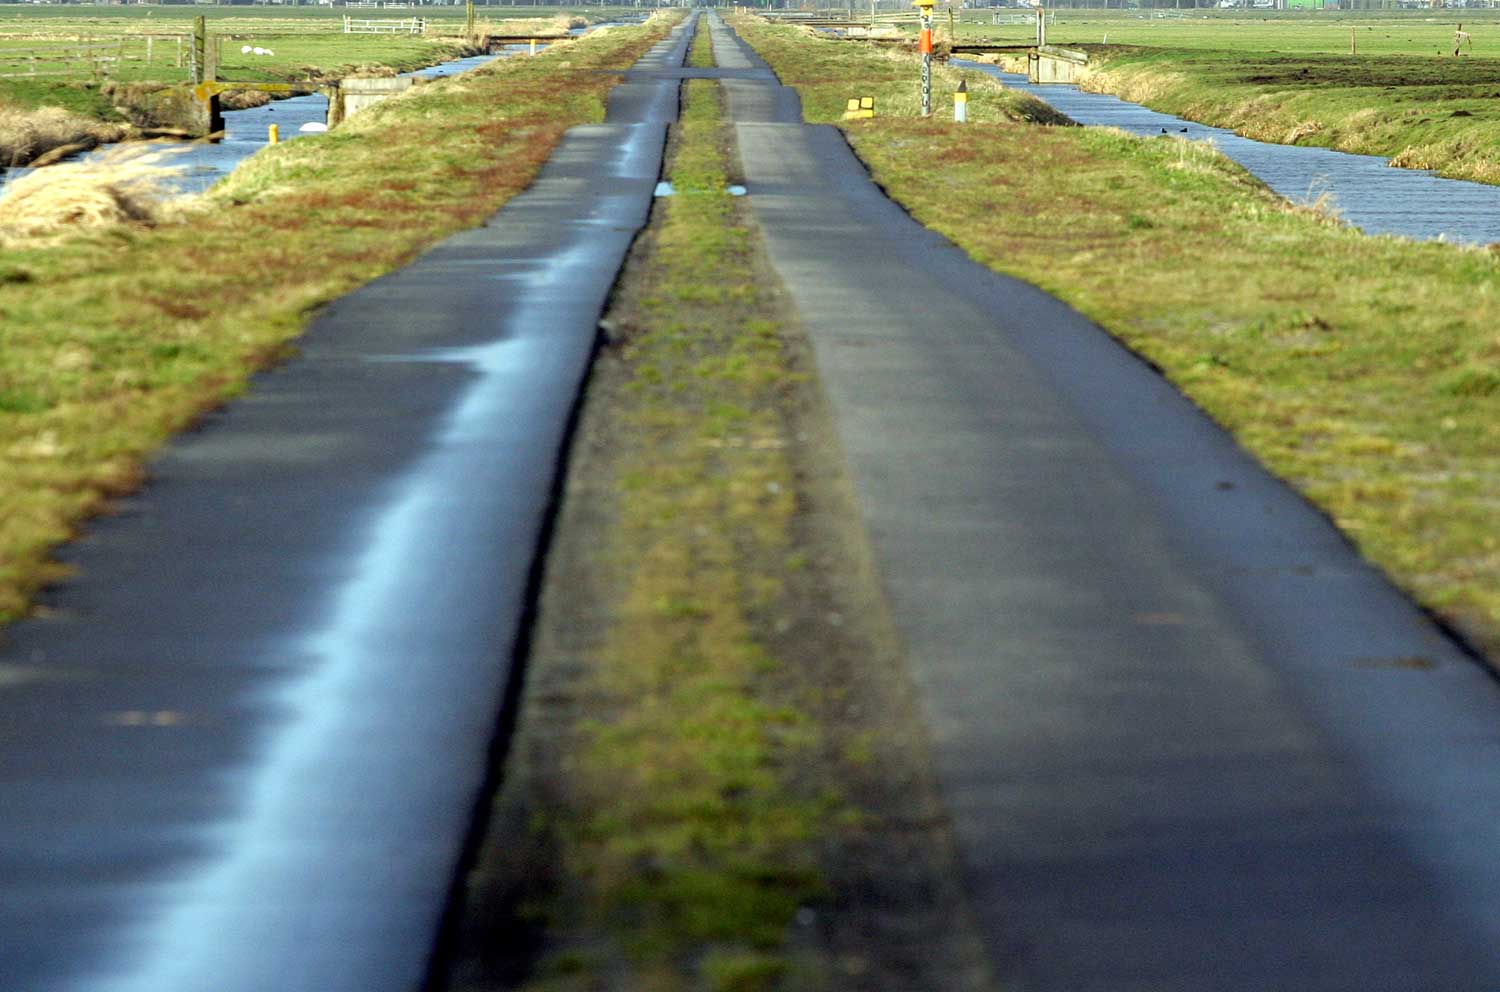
720 778
1366 371
112 341
701 55
688 849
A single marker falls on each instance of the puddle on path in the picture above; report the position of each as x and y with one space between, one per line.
664 188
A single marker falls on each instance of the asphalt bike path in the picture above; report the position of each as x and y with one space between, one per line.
242 750
1189 739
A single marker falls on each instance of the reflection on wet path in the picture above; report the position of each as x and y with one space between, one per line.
246 740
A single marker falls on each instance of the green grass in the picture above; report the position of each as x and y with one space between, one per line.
1413 33
112 341
1363 370
691 841
701 55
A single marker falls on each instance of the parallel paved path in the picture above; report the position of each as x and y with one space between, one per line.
1190 740
243 752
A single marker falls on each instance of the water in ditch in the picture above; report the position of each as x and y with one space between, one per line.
201 164
1365 190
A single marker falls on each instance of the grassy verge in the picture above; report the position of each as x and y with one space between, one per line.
1366 371
1419 111
112 341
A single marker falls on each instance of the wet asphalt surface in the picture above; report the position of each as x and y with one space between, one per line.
1364 189
1189 739
242 748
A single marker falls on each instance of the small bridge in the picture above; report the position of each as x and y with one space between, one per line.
345 96
1051 64
196 108
1044 63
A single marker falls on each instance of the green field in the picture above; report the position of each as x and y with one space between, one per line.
1425 33
71 49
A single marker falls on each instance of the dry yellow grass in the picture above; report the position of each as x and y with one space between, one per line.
123 185
25 134
527 25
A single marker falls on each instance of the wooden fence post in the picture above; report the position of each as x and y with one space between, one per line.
200 49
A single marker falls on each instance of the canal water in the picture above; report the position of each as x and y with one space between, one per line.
1365 190
201 164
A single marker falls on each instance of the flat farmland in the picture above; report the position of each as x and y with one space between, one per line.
1418 33
49 55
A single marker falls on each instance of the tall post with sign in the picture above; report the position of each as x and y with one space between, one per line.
924 45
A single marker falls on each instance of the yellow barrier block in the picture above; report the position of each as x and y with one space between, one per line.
859 108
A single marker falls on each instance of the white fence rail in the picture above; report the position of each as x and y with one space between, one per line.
366 25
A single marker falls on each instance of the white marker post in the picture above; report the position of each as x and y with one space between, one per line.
924 45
